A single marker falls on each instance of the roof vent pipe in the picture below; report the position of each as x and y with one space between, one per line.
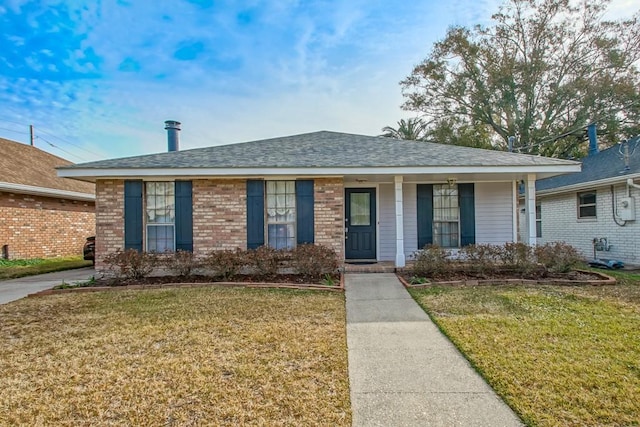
593 139
173 136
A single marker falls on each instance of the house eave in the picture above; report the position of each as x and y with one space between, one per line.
91 174
46 192
588 185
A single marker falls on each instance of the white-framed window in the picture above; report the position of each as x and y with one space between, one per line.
281 214
446 216
538 220
587 205
160 216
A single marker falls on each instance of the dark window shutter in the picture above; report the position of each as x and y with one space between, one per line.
467 214
304 211
184 216
255 213
133 215
425 214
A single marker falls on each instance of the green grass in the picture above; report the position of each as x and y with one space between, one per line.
558 355
10 269
175 357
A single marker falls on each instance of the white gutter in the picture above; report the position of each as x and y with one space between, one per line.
343 171
46 192
623 179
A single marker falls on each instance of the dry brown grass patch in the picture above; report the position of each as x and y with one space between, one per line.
175 357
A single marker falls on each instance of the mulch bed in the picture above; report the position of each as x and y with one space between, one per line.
573 278
282 281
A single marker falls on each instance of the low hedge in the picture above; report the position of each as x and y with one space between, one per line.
312 262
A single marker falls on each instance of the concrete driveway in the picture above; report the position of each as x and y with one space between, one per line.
14 289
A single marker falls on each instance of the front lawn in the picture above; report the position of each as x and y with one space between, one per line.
191 356
558 355
10 269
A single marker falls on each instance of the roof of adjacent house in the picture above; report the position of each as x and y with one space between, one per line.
28 169
325 149
606 165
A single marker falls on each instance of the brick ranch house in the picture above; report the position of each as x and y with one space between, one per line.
41 214
369 198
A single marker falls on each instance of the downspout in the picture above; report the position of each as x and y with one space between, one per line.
630 183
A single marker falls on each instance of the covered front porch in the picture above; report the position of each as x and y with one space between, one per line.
390 217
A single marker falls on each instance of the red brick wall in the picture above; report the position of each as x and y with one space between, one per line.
219 215
44 227
109 219
329 213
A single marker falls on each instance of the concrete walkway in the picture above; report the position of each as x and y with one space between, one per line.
14 289
403 371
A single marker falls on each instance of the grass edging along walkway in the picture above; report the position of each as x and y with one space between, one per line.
603 281
264 285
557 354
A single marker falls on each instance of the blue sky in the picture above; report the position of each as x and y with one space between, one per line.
97 79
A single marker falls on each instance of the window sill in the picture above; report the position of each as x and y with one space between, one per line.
587 219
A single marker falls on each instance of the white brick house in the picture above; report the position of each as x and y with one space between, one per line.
600 203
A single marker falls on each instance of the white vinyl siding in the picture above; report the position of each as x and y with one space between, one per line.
410 214
494 212
387 219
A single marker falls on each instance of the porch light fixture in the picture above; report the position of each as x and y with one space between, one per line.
451 182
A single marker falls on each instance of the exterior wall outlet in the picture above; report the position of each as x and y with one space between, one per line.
626 209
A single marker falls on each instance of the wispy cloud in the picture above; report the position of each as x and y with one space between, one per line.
105 75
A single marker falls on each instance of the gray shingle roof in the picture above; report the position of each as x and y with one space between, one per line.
605 164
325 150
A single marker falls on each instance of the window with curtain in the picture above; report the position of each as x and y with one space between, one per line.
446 216
160 216
281 214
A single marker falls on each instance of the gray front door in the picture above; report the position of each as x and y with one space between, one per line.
360 223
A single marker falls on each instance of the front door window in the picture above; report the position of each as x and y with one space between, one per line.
360 209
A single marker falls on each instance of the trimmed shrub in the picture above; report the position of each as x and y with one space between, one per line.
265 261
314 261
432 261
481 258
181 263
518 257
131 264
558 257
226 264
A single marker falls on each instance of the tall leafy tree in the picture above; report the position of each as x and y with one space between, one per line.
413 129
541 72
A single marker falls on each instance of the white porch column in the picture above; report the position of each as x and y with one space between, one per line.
516 208
400 260
530 206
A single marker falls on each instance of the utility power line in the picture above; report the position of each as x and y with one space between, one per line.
62 140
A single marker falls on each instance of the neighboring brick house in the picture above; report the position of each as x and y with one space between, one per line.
598 204
41 214
369 198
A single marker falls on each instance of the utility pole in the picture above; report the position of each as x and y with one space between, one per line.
31 134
